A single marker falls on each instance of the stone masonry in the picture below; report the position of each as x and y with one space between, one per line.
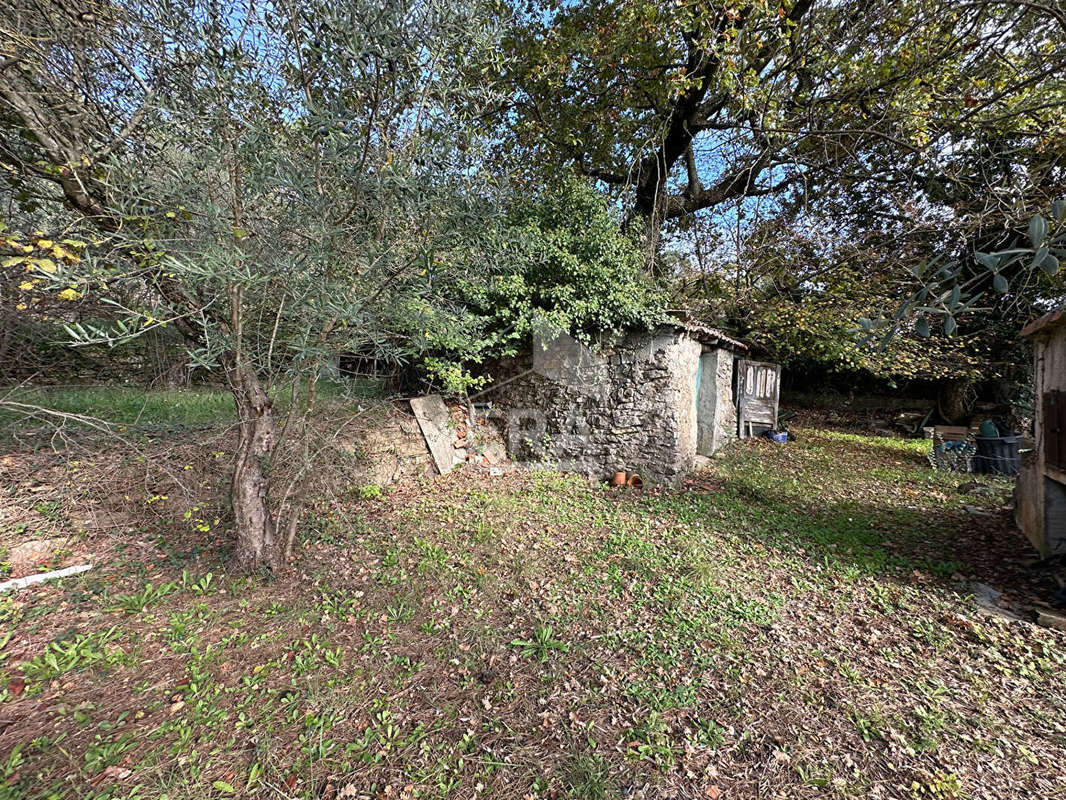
637 411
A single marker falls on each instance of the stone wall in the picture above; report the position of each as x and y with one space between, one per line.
632 409
387 448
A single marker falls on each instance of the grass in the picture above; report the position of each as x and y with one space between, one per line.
136 406
785 624
132 405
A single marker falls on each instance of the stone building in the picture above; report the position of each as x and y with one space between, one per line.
1040 500
648 404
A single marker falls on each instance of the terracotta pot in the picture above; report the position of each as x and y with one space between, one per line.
635 481
618 479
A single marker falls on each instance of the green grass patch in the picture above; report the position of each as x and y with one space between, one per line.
136 406
127 405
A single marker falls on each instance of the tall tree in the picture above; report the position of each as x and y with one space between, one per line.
686 107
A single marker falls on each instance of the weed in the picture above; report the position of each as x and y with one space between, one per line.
848 670
84 650
708 733
101 753
399 611
139 601
9 769
930 632
941 786
201 586
482 532
541 644
868 725
434 557
432 627
587 778
407 667
651 740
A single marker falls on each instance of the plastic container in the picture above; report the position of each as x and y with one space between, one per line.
997 455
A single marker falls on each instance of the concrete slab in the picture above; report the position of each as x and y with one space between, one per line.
436 424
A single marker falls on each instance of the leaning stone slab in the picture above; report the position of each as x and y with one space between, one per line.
436 424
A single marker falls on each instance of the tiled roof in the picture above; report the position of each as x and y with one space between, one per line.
702 333
1046 323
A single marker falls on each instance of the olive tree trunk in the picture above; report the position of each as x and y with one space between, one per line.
257 546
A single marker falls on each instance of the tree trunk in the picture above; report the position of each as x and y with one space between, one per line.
257 546
648 213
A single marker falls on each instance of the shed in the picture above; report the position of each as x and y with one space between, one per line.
1040 495
648 403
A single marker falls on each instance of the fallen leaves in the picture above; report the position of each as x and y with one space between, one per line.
721 642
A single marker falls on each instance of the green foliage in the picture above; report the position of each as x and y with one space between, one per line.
102 754
941 786
579 272
822 302
84 650
842 104
804 300
148 596
138 408
200 586
566 266
9 771
1028 269
288 182
129 405
822 326
288 203
541 645
889 132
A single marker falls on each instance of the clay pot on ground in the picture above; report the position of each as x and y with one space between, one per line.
635 481
618 479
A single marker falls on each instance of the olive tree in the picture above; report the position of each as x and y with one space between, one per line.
279 182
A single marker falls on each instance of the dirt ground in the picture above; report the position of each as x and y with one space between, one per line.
795 621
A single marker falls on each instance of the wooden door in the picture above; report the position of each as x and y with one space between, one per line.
758 389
